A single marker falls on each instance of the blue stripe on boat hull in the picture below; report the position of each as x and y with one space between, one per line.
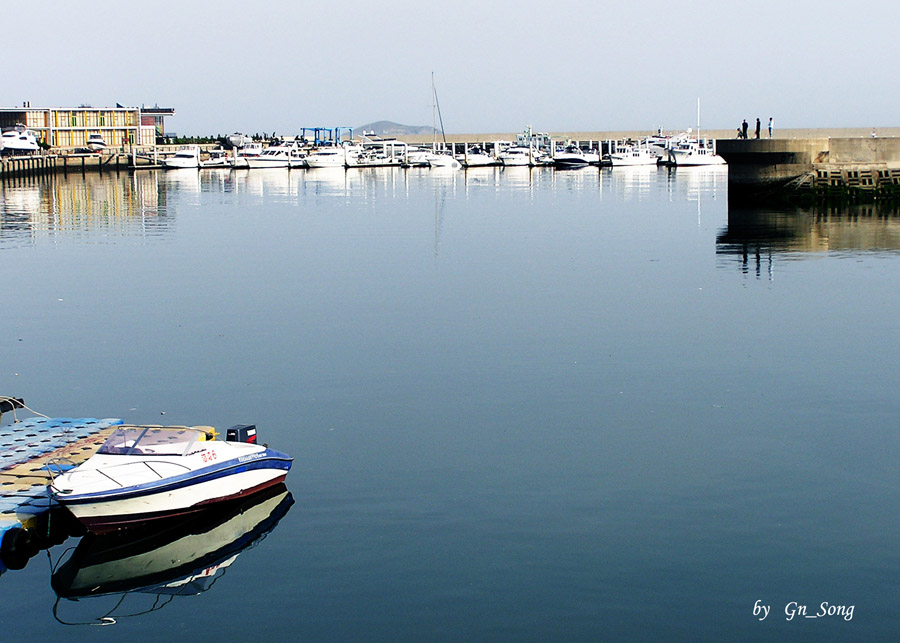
272 460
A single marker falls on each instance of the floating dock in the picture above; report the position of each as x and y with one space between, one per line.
32 451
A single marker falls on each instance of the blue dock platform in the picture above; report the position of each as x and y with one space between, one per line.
31 451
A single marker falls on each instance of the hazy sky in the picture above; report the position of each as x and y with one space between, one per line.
498 66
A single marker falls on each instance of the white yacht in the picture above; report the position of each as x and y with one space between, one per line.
429 157
375 151
629 154
186 157
331 156
247 151
573 156
477 156
279 155
520 156
443 160
95 142
218 158
417 157
692 151
18 140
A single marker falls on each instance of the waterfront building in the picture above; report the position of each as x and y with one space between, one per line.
69 127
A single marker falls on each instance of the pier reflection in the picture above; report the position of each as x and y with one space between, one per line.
755 234
184 558
36 209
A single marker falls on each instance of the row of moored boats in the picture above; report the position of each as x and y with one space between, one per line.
529 149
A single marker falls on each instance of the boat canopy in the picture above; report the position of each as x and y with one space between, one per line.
141 440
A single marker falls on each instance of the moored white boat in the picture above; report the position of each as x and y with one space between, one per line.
218 158
442 160
95 142
521 156
693 152
417 157
630 154
248 151
141 474
686 151
573 156
332 156
18 140
375 151
185 157
274 156
477 156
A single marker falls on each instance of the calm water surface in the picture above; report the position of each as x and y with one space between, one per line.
523 405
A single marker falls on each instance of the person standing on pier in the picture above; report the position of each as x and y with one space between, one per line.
771 126
744 128
757 127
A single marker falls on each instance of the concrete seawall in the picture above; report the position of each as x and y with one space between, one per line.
853 167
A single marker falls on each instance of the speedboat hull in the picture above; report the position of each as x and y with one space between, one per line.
688 158
479 160
143 474
205 488
621 160
570 161
260 162
186 157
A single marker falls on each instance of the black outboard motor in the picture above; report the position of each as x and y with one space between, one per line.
241 433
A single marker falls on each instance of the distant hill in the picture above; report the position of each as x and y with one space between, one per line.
388 128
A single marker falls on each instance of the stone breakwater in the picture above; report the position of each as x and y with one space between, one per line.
846 167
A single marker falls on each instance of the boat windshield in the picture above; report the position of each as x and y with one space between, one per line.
139 440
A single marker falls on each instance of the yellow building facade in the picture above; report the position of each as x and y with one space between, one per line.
69 127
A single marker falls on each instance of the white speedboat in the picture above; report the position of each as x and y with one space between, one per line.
141 474
443 160
185 157
218 158
375 151
249 150
298 157
573 156
629 154
95 142
279 155
417 157
18 140
477 156
692 152
519 156
331 156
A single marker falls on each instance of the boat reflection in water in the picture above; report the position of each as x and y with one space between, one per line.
183 558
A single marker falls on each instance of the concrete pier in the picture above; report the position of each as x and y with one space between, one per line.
853 167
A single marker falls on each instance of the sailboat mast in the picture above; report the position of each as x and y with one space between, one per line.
437 106
698 119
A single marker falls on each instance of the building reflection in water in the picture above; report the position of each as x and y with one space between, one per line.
34 209
757 234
